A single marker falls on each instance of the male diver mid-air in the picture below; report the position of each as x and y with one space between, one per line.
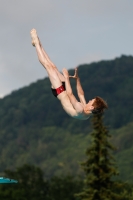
61 87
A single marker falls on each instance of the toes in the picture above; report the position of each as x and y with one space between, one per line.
33 30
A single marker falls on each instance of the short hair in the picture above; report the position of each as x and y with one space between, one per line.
99 105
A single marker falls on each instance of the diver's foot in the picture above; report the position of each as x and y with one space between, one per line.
34 37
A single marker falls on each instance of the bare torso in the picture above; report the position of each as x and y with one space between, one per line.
67 106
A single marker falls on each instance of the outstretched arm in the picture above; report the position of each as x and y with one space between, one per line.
77 105
79 87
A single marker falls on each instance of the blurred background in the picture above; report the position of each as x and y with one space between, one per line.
73 32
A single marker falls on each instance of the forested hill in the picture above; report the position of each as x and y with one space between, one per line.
36 106
35 129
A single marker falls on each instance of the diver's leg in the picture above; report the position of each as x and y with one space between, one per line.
48 59
45 61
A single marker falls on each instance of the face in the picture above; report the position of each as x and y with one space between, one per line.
89 107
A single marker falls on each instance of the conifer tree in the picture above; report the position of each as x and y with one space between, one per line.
100 167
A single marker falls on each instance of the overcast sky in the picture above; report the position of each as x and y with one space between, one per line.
72 32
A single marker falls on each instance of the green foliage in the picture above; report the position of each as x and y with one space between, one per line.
64 188
31 185
35 106
34 128
51 148
100 167
123 140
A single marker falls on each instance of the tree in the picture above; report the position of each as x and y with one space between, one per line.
30 184
100 167
64 188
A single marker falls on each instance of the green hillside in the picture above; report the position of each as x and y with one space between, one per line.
122 138
35 129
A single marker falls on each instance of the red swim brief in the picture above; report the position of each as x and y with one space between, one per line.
58 90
